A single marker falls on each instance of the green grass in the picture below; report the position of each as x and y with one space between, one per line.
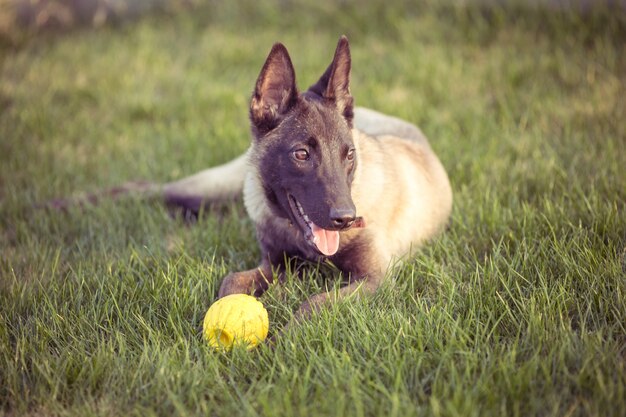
518 309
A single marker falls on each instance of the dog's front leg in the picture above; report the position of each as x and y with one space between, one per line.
357 288
365 270
254 281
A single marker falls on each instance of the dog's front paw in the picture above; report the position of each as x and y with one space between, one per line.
306 310
255 282
311 306
235 283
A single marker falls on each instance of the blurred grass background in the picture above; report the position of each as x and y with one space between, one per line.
518 309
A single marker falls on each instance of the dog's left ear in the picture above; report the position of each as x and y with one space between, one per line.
275 92
334 84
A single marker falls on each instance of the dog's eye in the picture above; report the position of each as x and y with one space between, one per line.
301 154
350 155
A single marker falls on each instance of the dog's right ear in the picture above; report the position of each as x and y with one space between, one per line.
334 85
275 92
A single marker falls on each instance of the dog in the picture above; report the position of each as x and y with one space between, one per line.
323 180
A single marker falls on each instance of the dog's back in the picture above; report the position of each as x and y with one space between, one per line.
400 187
402 191
374 123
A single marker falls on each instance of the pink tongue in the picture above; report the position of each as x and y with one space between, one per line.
327 241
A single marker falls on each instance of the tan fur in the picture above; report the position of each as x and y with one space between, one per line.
400 188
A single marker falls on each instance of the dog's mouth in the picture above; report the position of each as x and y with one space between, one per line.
325 241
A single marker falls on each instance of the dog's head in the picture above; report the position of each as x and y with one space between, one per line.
306 153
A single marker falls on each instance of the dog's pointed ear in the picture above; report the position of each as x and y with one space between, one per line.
275 92
334 84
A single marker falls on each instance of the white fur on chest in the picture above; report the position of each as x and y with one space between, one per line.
254 197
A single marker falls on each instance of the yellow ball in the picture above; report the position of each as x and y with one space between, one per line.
234 320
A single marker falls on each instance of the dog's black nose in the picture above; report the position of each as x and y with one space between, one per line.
342 217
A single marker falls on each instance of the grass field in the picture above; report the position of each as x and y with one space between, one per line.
518 309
